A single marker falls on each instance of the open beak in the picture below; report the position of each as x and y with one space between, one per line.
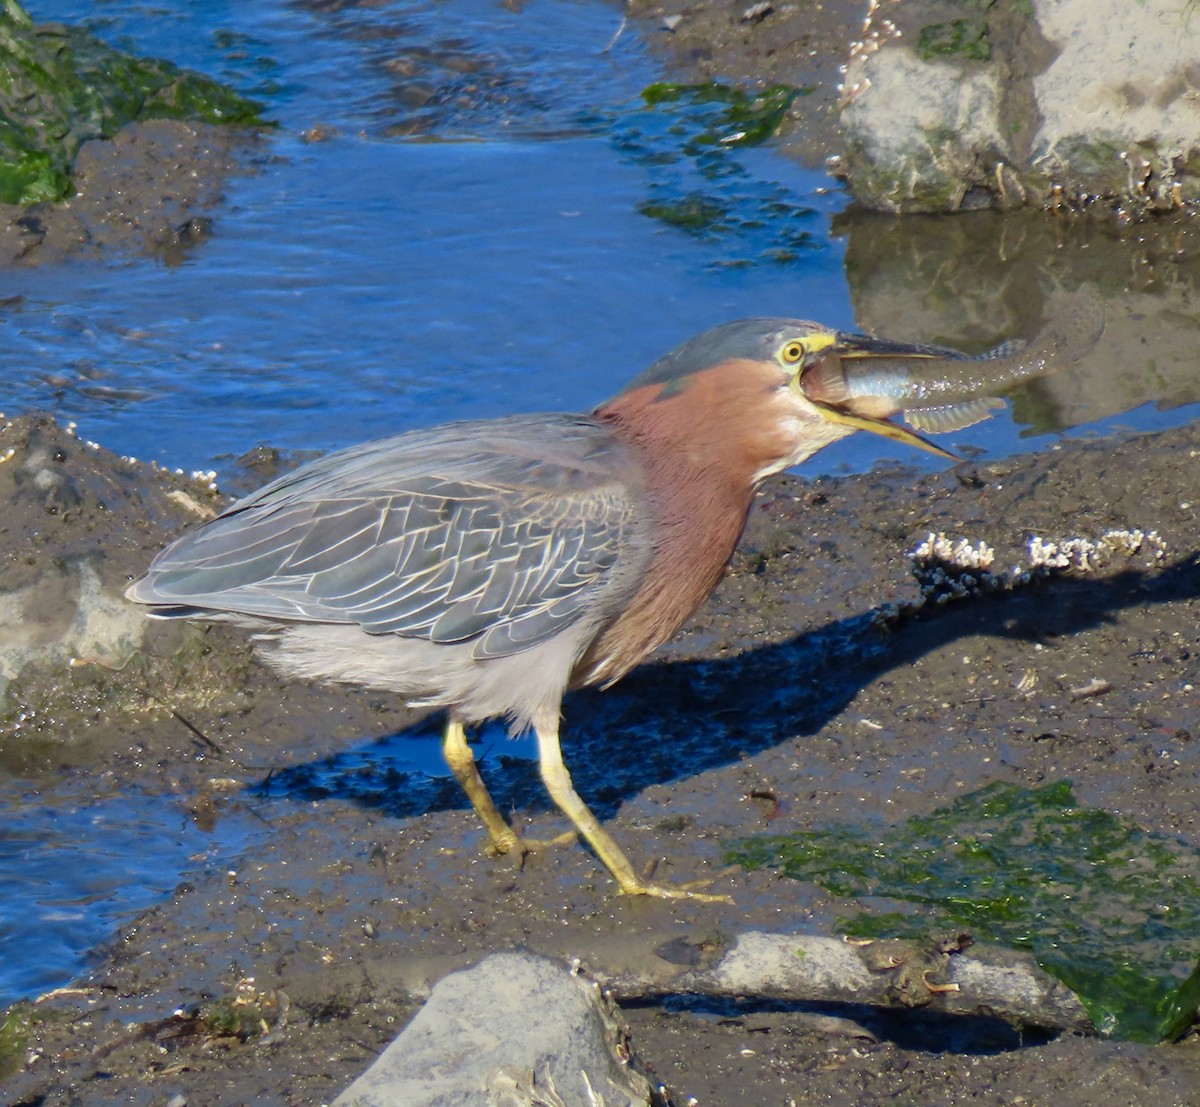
884 427
837 407
852 345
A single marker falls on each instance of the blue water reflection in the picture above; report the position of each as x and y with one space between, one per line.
71 873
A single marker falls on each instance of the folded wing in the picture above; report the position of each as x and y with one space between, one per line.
500 533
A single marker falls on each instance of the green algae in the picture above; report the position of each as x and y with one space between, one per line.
967 37
15 1024
61 86
960 38
688 138
1110 909
727 116
232 1017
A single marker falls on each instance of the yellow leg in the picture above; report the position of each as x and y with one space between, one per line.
562 791
462 764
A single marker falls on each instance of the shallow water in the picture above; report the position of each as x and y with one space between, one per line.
470 242
360 286
72 872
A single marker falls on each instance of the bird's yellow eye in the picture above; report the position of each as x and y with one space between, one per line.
791 352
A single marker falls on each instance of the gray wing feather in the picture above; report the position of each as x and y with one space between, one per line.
502 533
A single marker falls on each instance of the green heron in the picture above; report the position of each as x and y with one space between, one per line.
488 567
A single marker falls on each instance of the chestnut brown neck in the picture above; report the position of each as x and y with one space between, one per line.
702 447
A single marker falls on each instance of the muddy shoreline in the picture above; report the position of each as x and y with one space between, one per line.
783 686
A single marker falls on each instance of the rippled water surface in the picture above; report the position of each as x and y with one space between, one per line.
493 261
71 873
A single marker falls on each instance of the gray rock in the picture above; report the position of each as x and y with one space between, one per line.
517 1030
949 106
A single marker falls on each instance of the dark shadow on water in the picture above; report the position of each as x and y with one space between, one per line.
905 1027
405 774
672 719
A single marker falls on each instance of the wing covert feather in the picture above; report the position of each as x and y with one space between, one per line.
501 533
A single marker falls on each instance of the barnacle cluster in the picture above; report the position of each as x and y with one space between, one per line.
949 570
1084 555
875 32
956 569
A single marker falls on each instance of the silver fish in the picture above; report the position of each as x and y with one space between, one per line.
937 389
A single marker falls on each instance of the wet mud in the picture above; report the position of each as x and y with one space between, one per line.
795 699
152 191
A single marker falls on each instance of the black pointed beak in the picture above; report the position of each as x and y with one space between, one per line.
852 345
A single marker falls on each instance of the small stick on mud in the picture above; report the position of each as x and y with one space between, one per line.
198 733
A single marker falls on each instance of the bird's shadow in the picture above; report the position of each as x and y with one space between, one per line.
671 719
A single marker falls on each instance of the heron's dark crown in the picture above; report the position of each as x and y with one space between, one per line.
742 340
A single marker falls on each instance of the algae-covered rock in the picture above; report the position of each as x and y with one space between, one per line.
60 86
952 105
938 155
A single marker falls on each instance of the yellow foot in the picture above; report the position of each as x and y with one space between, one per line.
514 843
673 891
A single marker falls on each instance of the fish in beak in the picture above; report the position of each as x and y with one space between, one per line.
861 381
